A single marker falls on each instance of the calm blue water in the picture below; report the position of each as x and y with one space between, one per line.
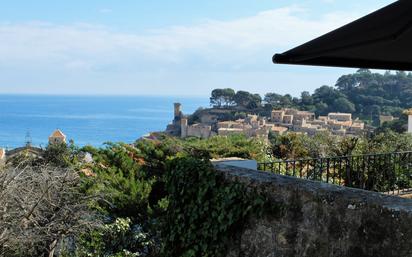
86 119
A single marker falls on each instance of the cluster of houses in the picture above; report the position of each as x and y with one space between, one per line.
279 122
306 122
57 137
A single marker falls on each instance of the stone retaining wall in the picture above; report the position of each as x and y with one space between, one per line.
320 220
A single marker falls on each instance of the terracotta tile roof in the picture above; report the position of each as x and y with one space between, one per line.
58 133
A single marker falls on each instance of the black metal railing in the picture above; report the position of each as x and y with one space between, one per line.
384 172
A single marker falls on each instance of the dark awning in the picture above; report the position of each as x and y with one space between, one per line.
381 40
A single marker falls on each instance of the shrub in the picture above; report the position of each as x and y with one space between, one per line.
204 212
42 209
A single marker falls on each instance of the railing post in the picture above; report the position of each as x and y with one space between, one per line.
321 169
294 168
327 170
348 173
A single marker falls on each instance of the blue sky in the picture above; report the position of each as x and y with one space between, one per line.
177 47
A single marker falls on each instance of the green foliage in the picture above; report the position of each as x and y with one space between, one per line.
222 97
240 115
130 180
204 212
230 146
307 98
164 194
120 238
374 93
278 101
364 94
121 187
221 114
227 97
289 146
376 173
300 146
387 142
247 100
121 181
160 189
342 104
58 155
399 125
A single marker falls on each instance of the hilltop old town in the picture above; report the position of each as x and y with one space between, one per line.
279 122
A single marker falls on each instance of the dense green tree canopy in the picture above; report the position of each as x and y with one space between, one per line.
248 100
364 94
222 97
342 104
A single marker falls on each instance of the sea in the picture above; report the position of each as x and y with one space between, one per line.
87 120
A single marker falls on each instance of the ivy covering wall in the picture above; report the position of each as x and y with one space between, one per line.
205 213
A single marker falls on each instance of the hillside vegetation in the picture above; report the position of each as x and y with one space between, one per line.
132 200
364 94
160 196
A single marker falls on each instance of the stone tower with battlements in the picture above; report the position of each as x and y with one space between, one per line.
177 111
175 127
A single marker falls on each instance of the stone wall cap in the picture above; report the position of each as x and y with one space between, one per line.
265 180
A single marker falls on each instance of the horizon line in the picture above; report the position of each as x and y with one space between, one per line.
100 95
